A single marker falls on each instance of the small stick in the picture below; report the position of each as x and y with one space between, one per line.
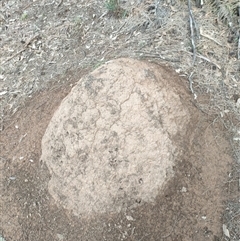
19 52
209 37
28 5
208 60
191 20
119 28
13 56
190 82
190 85
238 47
205 58
60 3
156 55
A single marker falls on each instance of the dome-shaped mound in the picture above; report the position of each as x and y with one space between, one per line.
110 145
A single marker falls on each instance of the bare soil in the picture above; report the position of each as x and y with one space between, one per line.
46 47
189 208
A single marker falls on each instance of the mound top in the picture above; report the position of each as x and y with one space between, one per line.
111 143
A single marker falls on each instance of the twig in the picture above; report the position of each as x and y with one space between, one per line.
204 58
28 5
192 22
13 56
238 47
103 15
120 28
209 37
60 3
143 237
156 55
190 85
22 50
208 60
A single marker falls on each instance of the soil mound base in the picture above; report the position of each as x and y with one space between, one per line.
111 143
189 205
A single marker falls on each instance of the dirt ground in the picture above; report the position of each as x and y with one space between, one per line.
46 47
189 208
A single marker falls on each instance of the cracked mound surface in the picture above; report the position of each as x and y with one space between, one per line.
110 145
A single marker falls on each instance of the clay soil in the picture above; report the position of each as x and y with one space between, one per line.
204 193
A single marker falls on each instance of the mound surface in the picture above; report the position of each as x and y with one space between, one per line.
111 143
